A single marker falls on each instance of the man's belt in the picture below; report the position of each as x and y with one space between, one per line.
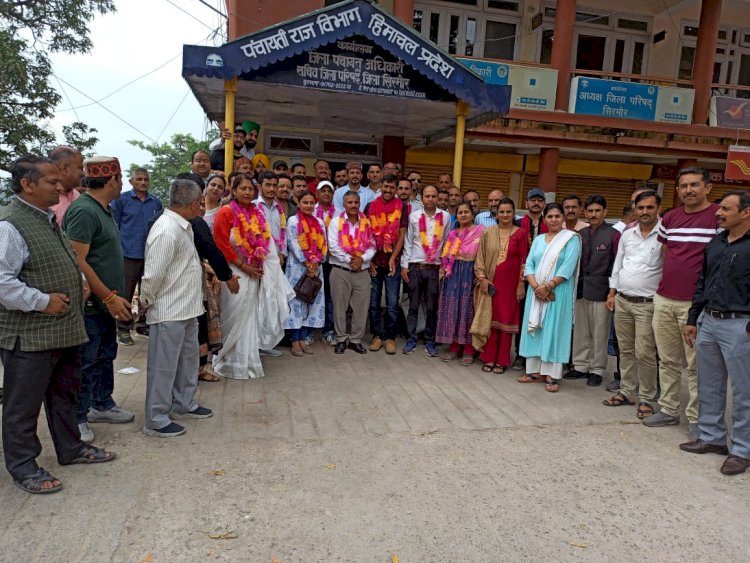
341 267
726 315
634 299
421 266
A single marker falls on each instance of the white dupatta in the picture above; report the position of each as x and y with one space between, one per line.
544 273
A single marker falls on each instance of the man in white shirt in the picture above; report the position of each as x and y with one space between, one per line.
635 277
350 256
171 292
420 267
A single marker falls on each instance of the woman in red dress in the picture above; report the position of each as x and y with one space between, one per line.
499 271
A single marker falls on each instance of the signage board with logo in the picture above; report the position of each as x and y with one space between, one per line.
729 112
532 87
630 100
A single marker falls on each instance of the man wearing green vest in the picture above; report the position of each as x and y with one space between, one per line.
41 329
92 230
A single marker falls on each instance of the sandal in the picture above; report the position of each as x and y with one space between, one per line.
467 360
498 369
488 367
208 376
551 385
531 378
34 483
618 400
92 454
645 410
449 356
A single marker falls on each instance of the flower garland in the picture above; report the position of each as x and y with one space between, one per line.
450 251
251 232
384 220
281 241
431 248
355 244
311 238
324 215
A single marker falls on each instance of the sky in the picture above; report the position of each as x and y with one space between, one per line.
140 37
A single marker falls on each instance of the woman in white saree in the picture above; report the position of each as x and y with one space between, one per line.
251 319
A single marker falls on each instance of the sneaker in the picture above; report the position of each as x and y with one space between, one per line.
661 419
430 350
390 346
115 415
142 331
124 339
273 352
197 412
330 338
613 385
87 435
309 340
169 431
694 432
376 344
410 346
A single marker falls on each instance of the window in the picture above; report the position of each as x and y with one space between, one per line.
334 147
285 144
485 31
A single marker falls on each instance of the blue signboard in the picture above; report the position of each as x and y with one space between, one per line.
491 73
613 98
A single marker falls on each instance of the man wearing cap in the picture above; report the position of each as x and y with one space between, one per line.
354 175
69 162
324 211
132 212
244 138
41 329
93 233
280 167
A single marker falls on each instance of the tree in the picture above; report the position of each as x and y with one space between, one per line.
80 136
169 159
29 32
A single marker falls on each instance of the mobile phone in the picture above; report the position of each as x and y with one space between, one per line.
491 290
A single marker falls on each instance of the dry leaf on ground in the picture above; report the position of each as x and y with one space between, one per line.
330 466
216 472
223 535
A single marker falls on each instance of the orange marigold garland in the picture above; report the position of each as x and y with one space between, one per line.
354 243
431 247
251 232
311 238
384 221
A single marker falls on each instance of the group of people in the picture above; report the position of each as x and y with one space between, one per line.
237 263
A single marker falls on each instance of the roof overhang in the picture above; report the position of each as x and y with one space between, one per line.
348 67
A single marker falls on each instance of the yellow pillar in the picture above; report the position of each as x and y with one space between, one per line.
230 92
462 110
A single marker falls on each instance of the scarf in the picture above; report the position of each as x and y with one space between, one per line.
384 221
545 271
461 243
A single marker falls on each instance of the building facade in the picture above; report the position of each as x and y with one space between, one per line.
604 98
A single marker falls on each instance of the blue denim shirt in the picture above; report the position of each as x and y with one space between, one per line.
132 216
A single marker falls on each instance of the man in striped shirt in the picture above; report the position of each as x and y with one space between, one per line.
684 234
171 293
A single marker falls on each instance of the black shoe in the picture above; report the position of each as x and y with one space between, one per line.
358 348
701 447
594 380
575 374
340 347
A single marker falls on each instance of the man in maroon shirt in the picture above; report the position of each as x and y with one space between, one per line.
684 234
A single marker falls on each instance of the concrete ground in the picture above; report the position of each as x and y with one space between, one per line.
361 458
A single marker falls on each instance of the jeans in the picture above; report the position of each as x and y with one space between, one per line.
97 370
392 286
299 334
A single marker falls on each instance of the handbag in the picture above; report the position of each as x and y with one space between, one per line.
307 288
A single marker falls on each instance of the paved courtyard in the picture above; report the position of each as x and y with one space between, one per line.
361 458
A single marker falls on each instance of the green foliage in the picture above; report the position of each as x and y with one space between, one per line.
81 136
169 159
29 32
